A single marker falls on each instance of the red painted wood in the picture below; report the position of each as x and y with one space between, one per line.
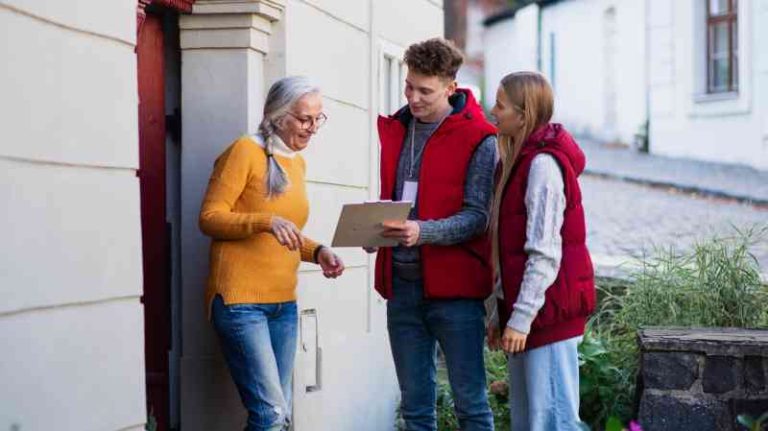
180 5
155 251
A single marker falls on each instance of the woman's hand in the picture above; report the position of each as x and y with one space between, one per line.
513 341
286 233
493 333
331 264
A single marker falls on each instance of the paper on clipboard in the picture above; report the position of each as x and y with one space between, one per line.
360 224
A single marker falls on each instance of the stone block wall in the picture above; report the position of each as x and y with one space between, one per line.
701 379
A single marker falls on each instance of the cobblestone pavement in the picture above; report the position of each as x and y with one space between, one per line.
624 220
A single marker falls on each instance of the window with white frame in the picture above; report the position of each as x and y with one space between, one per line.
392 79
722 46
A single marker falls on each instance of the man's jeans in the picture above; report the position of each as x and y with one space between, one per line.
544 388
415 325
259 344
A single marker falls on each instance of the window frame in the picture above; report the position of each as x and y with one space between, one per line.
730 18
392 78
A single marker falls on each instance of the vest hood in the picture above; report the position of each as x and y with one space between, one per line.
555 135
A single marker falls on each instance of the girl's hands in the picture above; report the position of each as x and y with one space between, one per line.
513 341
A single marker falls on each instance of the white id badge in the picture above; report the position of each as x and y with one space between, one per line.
410 189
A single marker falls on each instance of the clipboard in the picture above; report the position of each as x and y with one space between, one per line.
360 224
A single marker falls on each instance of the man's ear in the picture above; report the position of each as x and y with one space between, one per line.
451 89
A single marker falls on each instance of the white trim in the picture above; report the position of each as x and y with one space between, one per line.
396 75
373 304
715 97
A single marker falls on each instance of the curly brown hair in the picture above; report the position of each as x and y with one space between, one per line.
434 57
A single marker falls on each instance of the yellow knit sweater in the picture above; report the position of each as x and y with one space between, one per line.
247 264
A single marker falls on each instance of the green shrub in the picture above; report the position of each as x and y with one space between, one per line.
716 284
754 424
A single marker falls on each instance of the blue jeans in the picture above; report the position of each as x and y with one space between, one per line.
544 388
259 345
415 325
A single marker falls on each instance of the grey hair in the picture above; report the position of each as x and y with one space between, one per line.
280 99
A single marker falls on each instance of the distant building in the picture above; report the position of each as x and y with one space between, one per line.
464 26
690 70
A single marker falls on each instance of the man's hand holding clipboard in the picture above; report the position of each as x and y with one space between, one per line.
405 232
375 224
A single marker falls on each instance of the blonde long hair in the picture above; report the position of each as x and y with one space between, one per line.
531 95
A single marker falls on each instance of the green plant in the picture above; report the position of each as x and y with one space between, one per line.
614 424
498 390
602 382
498 396
717 283
753 424
446 419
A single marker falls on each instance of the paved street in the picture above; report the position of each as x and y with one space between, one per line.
715 179
624 219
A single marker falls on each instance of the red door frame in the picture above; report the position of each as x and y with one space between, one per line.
154 234
150 59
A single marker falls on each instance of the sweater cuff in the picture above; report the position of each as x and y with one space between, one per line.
520 322
260 222
309 250
427 232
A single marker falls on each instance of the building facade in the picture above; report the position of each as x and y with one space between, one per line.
679 78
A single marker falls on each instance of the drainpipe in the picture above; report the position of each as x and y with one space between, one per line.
647 144
539 57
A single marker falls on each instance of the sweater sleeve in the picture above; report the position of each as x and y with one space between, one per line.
472 219
228 180
308 249
545 204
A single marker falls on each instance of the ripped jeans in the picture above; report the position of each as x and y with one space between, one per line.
259 345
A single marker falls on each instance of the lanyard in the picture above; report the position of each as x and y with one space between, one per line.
423 147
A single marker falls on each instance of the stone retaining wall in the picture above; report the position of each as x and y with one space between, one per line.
701 379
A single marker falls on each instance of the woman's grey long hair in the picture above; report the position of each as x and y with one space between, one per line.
281 97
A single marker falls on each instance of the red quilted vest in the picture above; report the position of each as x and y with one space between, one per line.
456 271
571 298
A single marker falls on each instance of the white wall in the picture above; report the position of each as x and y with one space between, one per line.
585 74
582 75
510 46
685 121
356 370
71 322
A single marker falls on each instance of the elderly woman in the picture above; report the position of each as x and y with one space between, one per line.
254 210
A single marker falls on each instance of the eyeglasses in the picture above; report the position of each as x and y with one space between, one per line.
308 122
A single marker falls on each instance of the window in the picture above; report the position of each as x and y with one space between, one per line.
392 83
722 46
392 72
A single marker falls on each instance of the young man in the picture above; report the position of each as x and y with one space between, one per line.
438 152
